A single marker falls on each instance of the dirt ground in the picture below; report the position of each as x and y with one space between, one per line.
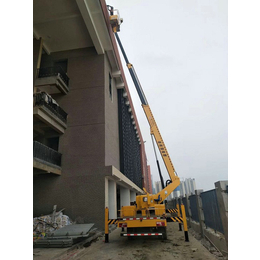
138 248
142 248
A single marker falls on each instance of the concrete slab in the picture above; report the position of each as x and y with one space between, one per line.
72 230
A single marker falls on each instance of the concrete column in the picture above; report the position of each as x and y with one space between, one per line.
112 199
200 211
124 197
222 198
132 196
37 54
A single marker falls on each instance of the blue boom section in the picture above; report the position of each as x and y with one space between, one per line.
132 73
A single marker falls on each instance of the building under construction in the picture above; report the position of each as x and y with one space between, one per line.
88 151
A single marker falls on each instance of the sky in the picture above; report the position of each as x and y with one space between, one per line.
179 50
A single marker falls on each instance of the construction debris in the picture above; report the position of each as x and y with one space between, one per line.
58 230
49 223
66 236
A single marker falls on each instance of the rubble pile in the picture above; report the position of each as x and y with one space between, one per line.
48 223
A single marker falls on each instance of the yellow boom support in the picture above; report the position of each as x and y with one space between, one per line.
163 194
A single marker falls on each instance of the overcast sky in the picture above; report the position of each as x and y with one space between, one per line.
179 51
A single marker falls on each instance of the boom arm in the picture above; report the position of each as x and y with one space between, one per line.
175 181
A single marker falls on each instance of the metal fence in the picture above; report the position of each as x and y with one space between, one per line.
174 206
46 154
43 99
211 210
193 208
204 203
53 71
171 204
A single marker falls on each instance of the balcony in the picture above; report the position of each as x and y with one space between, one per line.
52 80
48 116
45 159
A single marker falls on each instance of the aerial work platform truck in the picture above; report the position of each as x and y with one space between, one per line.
147 217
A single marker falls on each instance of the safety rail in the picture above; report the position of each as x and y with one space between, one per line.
54 71
47 154
43 99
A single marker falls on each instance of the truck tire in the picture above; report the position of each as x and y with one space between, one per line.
164 234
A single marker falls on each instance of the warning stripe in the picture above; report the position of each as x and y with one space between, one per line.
175 219
112 221
172 210
115 221
143 234
141 218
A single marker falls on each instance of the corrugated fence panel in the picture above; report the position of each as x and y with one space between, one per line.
175 204
193 208
180 202
211 210
170 204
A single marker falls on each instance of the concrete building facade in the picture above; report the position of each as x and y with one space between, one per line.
182 189
186 187
190 186
157 186
88 149
176 193
193 186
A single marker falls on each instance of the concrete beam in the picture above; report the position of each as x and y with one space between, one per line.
116 74
48 118
116 175
120 85
46 168
89 21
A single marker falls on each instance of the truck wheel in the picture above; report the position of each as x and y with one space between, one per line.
164 234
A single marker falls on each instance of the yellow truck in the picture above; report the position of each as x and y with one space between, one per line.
147 217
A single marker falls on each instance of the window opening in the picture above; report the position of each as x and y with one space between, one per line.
110 87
